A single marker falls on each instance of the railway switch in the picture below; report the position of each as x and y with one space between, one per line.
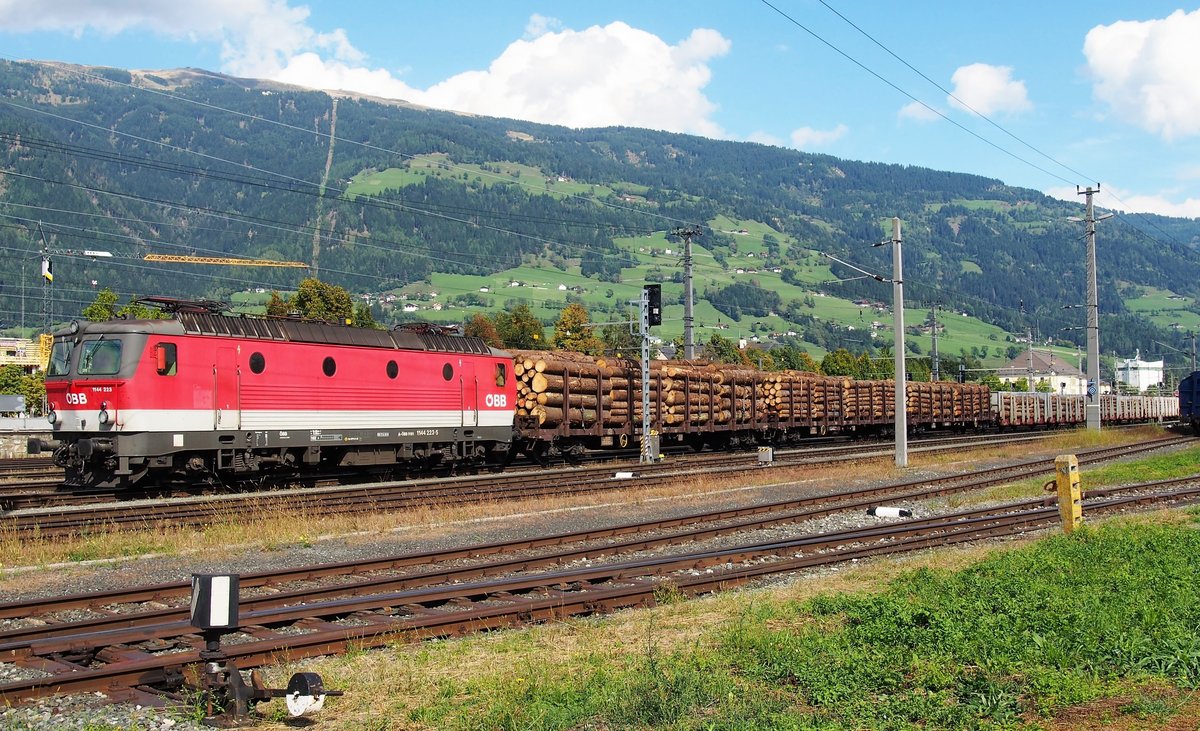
1070 497
225 694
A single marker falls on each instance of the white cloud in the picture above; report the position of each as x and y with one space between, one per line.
610 75
600 76
257 37
1145 71
807 137
918 112
988 89
1123 200
539 25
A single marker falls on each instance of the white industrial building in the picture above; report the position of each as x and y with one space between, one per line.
1140 374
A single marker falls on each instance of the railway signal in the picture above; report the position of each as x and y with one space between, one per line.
654 302
227 698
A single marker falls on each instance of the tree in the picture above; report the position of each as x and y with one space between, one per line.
480 326
992 381
574 331
277 305
884 366
15 381
723 350
519 328
761 359
317 300
618 340
840 362
363 317
103 308
921 369
137 311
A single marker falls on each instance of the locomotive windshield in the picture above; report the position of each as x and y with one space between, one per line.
60 359
100 358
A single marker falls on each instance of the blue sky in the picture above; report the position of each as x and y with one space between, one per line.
1074 93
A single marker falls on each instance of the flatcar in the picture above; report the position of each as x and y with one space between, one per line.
1039 410
572 403
210 398
207 397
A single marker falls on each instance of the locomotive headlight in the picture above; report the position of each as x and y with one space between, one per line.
52 417
105 419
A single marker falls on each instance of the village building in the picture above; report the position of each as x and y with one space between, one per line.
1045 366
28 354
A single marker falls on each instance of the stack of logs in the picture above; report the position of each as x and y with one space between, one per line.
581 391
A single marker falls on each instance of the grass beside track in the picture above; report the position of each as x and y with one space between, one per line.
1097 630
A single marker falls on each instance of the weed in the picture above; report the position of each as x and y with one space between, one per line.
1145 707
667 593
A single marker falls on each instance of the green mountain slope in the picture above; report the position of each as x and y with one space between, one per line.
391 200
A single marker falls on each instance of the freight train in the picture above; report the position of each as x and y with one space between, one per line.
1189 401
207 397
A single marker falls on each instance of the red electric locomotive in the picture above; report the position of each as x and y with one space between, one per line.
212 397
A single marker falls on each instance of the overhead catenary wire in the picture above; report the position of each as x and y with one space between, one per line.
505 179
910 96
1079 175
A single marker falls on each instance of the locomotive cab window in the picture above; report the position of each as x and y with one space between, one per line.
165 359
60 359
100 358
501 374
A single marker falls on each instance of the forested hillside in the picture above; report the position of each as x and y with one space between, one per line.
380 196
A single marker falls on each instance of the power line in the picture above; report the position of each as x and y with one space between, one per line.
950 94
903 92
967 106
328 136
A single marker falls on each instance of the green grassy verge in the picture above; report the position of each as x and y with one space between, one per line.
1010 642
1161 467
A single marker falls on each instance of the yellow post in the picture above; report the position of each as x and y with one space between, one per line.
1070 498
45 347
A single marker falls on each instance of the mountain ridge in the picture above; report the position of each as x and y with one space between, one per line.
508 187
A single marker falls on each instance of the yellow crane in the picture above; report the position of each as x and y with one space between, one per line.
181 259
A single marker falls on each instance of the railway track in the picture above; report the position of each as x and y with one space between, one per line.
53 522
138 640
34 482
